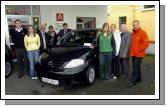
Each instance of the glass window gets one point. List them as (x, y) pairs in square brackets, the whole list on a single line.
[(35, 10), (85, 22), (149, 6), (22, 9), (78, 38), (18, 10)]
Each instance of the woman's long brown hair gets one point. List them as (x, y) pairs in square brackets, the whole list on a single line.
[(28, 34), (104, 25)]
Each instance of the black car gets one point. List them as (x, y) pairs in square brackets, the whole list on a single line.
[(72, 60), (8, 61)]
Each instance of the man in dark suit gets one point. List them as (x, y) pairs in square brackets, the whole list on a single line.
[(43, 38), (64, 30)]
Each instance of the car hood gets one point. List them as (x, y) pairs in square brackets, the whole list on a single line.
[(68, 52)]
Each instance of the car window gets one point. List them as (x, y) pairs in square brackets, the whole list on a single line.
[(86, 36), (69, 39), (89, 36), (78, 38)]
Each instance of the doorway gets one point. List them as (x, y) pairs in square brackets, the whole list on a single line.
[(122, 20)]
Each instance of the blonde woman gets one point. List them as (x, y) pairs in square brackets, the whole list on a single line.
[(32, 45)]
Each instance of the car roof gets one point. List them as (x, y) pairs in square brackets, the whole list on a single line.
[(86, 29)]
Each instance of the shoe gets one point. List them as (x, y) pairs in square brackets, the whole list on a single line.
[(114, 77), (34, 78), (130, 84), (111, 80), (139, 80), (123, 76), (102, 78), (21, 75)]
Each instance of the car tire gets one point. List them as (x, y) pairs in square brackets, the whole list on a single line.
[(90, 76), (8, 67)]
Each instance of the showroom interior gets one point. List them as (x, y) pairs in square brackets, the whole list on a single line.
[(80, 17)]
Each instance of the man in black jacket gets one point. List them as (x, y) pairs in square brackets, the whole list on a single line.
[(17, 36), (64, 30)]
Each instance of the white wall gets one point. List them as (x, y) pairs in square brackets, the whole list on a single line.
[(48, 13), (151, 49)]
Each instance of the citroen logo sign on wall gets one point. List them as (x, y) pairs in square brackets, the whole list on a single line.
[(59, 17)]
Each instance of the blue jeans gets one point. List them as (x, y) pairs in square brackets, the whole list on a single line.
[(105, 61), (33, 57)]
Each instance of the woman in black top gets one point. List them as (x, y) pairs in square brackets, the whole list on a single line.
[(51, 37)]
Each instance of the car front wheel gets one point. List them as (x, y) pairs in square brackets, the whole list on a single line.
[(90, 76), (8, 68)]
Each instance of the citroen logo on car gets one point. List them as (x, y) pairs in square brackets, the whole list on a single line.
[(50, 64)]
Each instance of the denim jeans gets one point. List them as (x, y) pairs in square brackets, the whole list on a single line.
[(33, 57), (136, 74), (105, 61)]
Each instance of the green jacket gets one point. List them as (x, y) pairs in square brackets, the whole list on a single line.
[(106, 44)]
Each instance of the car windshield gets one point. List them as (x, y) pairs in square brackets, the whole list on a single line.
[(78, 38)]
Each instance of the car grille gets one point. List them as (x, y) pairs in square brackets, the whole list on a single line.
[(56, 65)]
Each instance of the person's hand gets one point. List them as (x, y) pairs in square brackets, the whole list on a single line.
[(54, 33), (92, 47), (124, 56)]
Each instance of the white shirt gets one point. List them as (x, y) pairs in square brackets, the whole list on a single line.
[(19, 30), (44, 40), (117, 38)]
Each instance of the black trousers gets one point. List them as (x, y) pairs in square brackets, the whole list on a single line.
[(115, 66), (136, 74), (124, 63), (22, 60)]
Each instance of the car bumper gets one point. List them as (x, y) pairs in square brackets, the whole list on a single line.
[(66, 75)]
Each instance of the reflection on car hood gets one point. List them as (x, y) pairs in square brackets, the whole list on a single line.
[(68, 52)]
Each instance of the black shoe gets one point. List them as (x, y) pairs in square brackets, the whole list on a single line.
[(122, 76), (130, 84), (139, 80), (21, 75)]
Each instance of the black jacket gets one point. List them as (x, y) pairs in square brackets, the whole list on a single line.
[(49, 42), (41, 41), (61, 32)]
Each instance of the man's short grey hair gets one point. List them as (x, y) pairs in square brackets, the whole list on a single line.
[(42, 25), (123, 24)]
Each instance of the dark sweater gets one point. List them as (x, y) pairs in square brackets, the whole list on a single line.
[(18, 37)]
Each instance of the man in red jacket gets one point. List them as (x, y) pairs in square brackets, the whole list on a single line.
[(139, 43)]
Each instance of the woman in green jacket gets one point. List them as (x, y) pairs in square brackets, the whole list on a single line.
[(106, 46)]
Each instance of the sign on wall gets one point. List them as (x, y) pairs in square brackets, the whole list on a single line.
[(58, 26), (59, 17)]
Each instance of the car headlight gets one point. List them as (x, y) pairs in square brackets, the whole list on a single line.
[(74, 63)]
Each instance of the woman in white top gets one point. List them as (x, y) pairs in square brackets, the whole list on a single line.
[(115, 58)]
